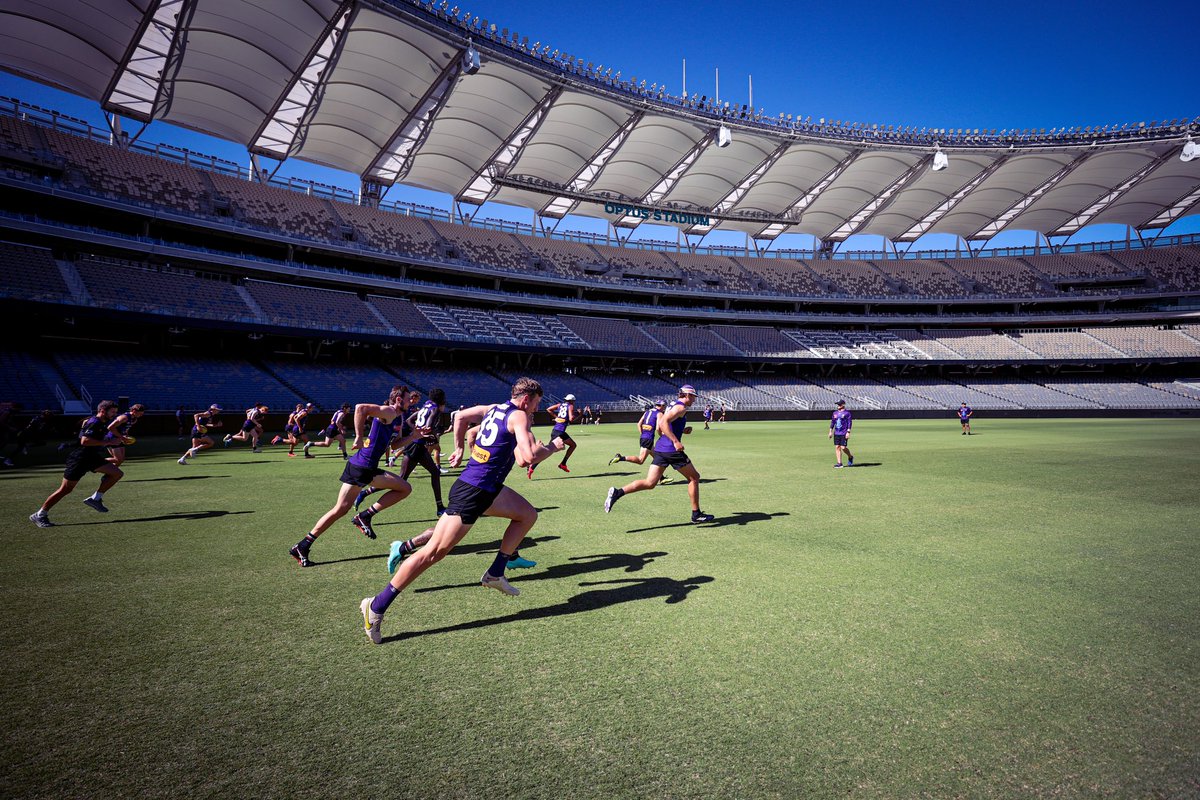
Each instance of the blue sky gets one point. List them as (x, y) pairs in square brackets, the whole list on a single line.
[(976, 65)]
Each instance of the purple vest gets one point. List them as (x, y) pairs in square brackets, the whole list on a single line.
[(494, 452)]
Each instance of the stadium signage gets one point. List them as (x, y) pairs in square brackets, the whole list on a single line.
[(655, 214)]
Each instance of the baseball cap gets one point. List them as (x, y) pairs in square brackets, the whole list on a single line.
[(660, 402), (688, 389), (215, 407), (569, 397), (841, 402)]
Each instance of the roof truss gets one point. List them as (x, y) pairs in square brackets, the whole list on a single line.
[(930, 219), (282, 132), (793, 214), (735, 196), (868, 212), (1084, 217), (482, 187), (141, 87), (560, 206), (664, 186), (395, 160), (998, 224)]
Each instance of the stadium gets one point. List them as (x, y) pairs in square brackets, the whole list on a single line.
[(1007, 615)]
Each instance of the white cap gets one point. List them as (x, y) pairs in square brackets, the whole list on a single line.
[(569, 398)]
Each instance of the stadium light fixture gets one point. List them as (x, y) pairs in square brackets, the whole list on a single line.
[(940, 159), (1190, 151), (470, 59), (724, 136)]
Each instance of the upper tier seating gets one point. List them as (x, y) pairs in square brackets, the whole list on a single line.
[(564, 258), (162, 382), (329, 384), (1002, 276), (611, 334), (856, 278), (690, 339), (30, 273), (1064, 344), (494, 249), (277, 209), (140, 287), (721, 272), (759, 341), (1172, 268), (1077, 265), (305, 307), (783, 275), (404, 316), (1146, 341), (922, 277), (640, 265), (463, 387), (393, 233)]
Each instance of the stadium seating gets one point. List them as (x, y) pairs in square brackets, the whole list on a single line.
[(922, 277), (30, 273), (557, 385), (494, 249), (304, 307), (865, 393), (784, 276), (396, 234), (624, 384), (404, 316), (1147, 341), (28, 379), (926, 344), (1119, 394), (1170, 268), (856, 278), (330, 384), (1063, 344), (564, 258), (982, 344), (1078, 265), (947, 394), (1000, 276), (162, 382), (793, 392), (276, 209), (611, 334), (463, 387), (759, 341), (1026, 394), (128, 286), (446, 323), (715, 272), (690, 339)]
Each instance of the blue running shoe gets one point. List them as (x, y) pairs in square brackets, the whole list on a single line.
[(520, 562), (851, 464), (395, 556), (363, 495)]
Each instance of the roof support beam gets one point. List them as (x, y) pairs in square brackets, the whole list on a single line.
[(560, 206), (395, 159), (868, 212), (143, 84), (794, 213), (998, 224), (1085, 216), (735, 196), (1176, 211), (664, 186), (930, 219), (481, 187), (283, 130)]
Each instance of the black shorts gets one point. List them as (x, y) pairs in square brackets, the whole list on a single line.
[(248, 426), (360, 476), (566, 437), (469, 501), (83, 460), (418, 454), (678, 459), (839, 440), (646, 443), (331, 432)]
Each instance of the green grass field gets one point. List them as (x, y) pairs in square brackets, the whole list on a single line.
[(1010, 614)]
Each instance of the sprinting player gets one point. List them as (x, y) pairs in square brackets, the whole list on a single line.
[(504, 438), (839, 431), (299, 418), (707, 415), (416, 452), (647, 426), (668, 452), (965, 412), (599, 414), (289, 428), (35, 433), (723, 410), (200, 438), (252, 428), (441, 423), (334, 431), (401, 427), (120, 431), (362, 469), (90, 455), (564, 415)]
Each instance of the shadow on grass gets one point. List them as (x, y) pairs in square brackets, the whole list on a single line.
[(859, 464), (740, 518), (313, 563), (627, 590), (596, 563), (492, 547), (556, 475), (183, 515), (433, 520), (180, 478)]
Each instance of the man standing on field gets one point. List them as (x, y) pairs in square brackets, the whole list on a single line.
[(839, 431)]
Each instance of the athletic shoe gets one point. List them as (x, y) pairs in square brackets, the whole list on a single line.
[(362, 495), (611, 499), (277, 440), (371, 620), (363, 525), (256, 450), (666, 479), (851, 464), (500, 584), (182, 461), (291, 455), (521, 563), (92, 502), (308, 454), (837, 466), (396, 554), (529, 472), (301, 556), (563, 467), (41, 520), (443, 470), (228, 439), (614, 459), (700, 516)]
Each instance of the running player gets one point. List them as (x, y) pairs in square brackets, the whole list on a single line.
[(564, 415), (708, 415), (289, 428), (299, 420), (646, 426), (417, 452), (965, 412), (362, 469), (200, 438), (839, 431), (90, 455), (252, 428), (668, 452), (119, 431), (334, 431), (504, 438)]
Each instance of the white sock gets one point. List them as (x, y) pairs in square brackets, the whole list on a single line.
[(99, 495), (190, 453), (41, 512)]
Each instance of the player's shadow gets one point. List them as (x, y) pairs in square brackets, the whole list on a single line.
[(256, 461), (433, 520), (681, 481), (492, 547), (371, 557), (586, 564), (627, 590), (859, 464), (183, 515), (741, 518), (177, 478), (556, 470)]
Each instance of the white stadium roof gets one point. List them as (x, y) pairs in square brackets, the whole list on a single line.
[(381, 88)]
